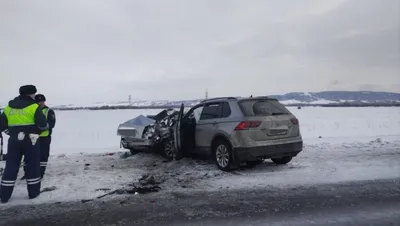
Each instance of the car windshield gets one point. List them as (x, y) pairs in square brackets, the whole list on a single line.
[(262, 108)]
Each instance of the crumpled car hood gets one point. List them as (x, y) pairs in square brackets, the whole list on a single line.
[(149, 129)]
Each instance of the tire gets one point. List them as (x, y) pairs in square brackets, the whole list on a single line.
[(252, 164), (282, 161), (223, 156), (167, 149), (123, 144)]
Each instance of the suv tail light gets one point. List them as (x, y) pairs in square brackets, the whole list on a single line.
[(247, 125), (295, 121)]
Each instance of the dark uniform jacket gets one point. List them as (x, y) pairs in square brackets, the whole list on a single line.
[(21, 102), (51, 119)]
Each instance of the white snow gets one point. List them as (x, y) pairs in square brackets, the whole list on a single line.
[(290, 102), (322, 101), (341, 144), (323, 163), (315, 102), (75, 181)]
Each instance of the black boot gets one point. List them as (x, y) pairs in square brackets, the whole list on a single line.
[(33, 196), (4, 201)]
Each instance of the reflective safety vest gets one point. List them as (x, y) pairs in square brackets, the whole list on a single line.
[(45, 133), (21, 117)]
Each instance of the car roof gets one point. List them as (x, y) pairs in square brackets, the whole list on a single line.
[(258, 98), (216, 99)]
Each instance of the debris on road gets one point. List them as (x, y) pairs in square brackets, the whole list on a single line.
[(103, 189), (61, 156), (125, 155), (86, 166), (378, 140), (146, 184), (52, 188)]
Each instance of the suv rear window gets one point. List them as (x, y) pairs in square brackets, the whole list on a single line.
[(262, 108)]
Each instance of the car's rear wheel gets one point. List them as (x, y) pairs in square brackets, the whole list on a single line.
[(282, 161), (224, 157)]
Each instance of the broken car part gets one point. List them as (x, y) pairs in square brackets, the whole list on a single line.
[(151, 133)]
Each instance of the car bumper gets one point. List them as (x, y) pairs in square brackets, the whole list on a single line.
[(267, 152), (131, 143)]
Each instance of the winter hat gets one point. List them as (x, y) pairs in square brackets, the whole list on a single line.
[(40, 97), (27, 90)]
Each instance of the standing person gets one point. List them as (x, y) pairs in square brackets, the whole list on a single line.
[(1, 139), (25, 121), (45, 136), (2, 156)]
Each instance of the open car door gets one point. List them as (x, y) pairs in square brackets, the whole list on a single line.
[(177, 135)]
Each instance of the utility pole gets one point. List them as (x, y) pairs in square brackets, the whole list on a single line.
[(206, 97), (130, 99)]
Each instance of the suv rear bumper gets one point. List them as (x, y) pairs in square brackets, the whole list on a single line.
[(267, 152)]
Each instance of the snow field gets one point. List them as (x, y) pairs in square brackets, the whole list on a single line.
[(94, 131), (341, 144)]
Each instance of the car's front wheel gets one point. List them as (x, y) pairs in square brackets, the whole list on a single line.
[(224, 157), (282, 161), (167, 149)]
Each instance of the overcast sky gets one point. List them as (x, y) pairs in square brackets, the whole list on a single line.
[(80, 51)]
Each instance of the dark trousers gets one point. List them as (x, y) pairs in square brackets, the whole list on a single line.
[(44, 154), (31, 152)]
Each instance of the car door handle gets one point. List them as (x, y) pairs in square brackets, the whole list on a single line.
[(215, 123)]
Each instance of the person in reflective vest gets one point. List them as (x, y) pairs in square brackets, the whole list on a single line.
[(25, 121), (2, 155), (45, 136)]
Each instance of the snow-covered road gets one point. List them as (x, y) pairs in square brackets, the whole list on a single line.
[(86, 176), (371, 202)]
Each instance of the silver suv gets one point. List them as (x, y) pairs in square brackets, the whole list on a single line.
[(235, 130)]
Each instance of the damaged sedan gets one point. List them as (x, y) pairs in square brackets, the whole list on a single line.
[(150, 133), (231, 130)]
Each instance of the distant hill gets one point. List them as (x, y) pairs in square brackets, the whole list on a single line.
[(326, 98)]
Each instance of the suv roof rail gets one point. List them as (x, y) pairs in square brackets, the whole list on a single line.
[(218, 98), (259, 98)]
